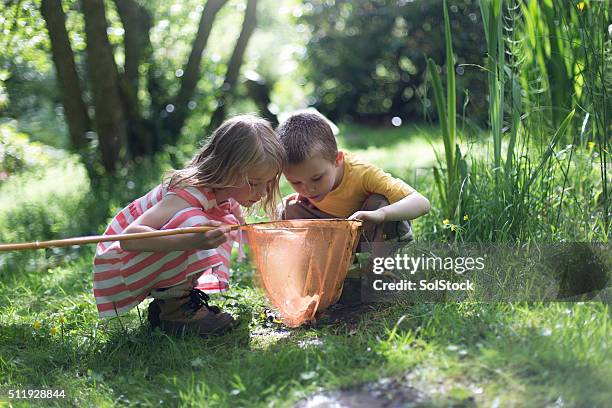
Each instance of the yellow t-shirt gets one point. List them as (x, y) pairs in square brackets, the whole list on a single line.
[(360, 180)]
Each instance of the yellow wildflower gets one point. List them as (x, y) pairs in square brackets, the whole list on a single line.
[(581, 5), (54, 330), (37, 325), (465, 217), (62, 319), (453, 227), (446, 221), (591, 145)]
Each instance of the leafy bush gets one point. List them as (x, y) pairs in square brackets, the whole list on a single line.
[(367, 59), (17, 153)]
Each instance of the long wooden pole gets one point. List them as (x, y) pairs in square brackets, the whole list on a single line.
[(107, 238)]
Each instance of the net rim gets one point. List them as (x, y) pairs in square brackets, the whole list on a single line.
[(302, 223)]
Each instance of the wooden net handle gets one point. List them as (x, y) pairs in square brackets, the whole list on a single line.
[(107, 238)]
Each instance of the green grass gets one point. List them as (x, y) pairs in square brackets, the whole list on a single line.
[(454, 354), (529, 355)]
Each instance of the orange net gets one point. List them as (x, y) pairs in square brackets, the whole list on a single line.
[(302, 264)]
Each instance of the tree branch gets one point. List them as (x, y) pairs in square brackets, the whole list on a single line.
[(234, 64), (75, 110), (103, 75), (136, 21), (175, 120)]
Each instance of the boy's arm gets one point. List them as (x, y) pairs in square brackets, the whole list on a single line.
[(408, 208), (406, 202)]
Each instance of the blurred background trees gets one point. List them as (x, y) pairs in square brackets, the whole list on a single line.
[(126, 84), (121, 78), (117, 81), (366, 59), (118, 122)]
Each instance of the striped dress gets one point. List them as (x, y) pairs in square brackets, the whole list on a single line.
[(123, 279)]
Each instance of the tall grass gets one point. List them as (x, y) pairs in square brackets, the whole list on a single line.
[(492, 18), (595, 73), (548, 77), (449, 180), (565, 53)]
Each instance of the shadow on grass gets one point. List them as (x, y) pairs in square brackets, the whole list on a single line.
[(237, 368), (496, 347), (140, 365)]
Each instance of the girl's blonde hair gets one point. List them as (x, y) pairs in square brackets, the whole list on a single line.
[(235, 148)]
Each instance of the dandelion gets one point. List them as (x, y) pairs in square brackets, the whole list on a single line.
[(37, 325), (581, 5), (591, 145), (465, 217), (453, 227), (446, 221), (54, 330), (62, 319)]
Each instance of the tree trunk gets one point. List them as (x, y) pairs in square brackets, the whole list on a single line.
[(75, 110), (259, 91), (103, 76), (234, 64), (136, 21), (176, 119)]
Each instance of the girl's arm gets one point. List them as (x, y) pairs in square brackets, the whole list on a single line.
[(156, 217), (408, 208)]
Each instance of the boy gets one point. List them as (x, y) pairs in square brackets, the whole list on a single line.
[(334, 184)]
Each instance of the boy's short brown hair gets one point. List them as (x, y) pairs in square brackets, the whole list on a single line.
[(304, 134)]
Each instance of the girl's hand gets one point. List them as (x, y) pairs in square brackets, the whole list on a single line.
[(210, 239), (376, 217), (157, 216)]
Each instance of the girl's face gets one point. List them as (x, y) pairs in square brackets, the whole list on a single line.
[(250, 191)]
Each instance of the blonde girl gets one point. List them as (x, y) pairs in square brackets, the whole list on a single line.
[(239, 165)]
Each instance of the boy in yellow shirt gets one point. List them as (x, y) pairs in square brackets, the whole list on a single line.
[(334, 184)]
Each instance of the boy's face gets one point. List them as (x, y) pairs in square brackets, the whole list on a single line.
[(316, 176)]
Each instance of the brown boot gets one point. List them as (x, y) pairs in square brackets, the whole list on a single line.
[(189, 313)]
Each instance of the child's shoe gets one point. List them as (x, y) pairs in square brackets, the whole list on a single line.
[(190, 313)]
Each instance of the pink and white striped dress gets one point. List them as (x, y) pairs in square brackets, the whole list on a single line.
[(123, 279)]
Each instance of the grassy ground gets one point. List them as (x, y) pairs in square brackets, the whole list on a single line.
[(444, 354)]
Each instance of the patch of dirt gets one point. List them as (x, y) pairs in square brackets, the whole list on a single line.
[(421, 387), (345, 315)]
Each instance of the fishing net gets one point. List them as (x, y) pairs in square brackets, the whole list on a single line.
[(301, 264)]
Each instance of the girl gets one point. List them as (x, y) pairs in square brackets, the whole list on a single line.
[(239, 165)]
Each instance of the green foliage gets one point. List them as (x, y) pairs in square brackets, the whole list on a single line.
[(26, 77), (455, 173), (23, 41), (3, 95), (540, 172), (18, 154), (454, 352), (371, 72), (536, 193), (491, 11)]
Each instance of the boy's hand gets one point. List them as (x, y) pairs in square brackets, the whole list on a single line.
[(377, 217)]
